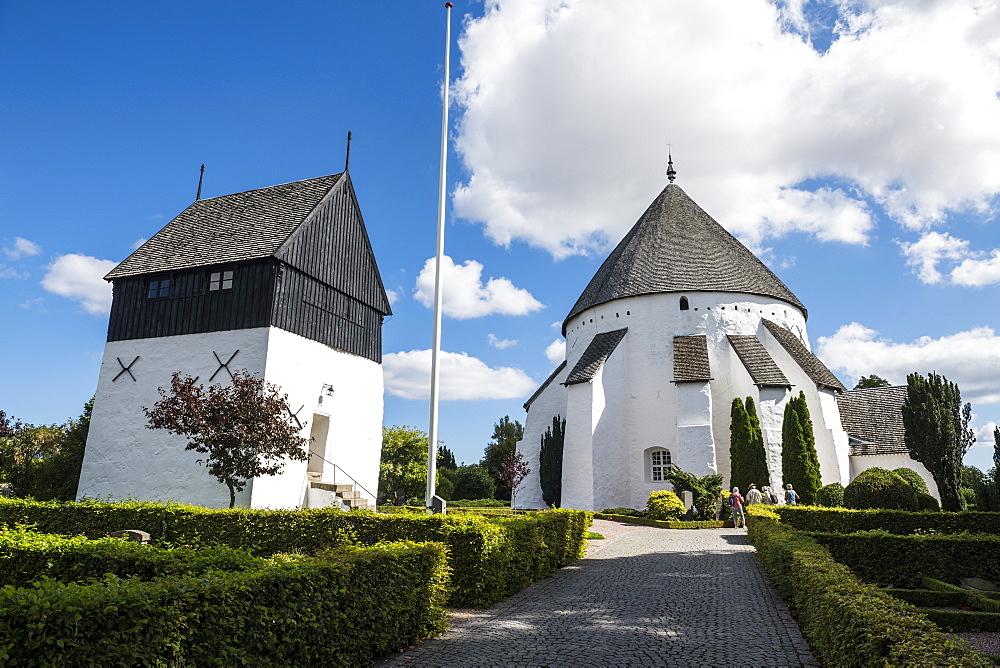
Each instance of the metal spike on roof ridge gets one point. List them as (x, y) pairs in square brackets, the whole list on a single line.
[(671, 172)]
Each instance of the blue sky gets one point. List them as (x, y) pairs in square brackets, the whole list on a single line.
[(861, 165)]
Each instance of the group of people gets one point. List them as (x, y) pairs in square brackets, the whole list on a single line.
[(763, 495)]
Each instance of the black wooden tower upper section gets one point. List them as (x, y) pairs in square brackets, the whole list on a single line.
[(295, 256)]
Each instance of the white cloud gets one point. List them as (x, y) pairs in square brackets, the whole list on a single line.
[(81, 278), (984, 435), (556, 351), (36, 304), (466, 296), (969, 267), (138, 242), (502, 344), (10, 272), (22, 248), (568, 106), (408, 375), (971, 359), (393, 295)]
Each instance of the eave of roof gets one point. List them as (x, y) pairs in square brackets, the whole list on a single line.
[(812, 365), (691, 363), (675, 246), (595, 356), (758, 362)]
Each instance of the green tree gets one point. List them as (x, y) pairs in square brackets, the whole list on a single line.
[(445, 458), (60, 475), (506, 434), (474, 482), (243, 429), (746, 447), (936, 434), (707, 490), (996, 447), (799, 461), (403, 469), (550, 462), (866, 382)]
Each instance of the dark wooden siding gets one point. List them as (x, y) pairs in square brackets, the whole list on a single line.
[(191, 308), (333, 246), (310, 308)]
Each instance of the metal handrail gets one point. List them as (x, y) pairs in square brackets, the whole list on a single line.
[(353, 479)]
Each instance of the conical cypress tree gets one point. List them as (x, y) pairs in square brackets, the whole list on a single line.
[(799, 462), (738, 446), (550, 462), (759, 474)]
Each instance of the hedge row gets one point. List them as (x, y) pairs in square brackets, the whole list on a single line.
[(664, 524), (849, 623), (28, 556), (492, 557), (902, 561), (342, 609), (903, 522)]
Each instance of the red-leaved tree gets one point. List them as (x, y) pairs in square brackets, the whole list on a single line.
[(511, 470), (245, 429)]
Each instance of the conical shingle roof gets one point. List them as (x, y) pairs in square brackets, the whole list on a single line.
[(676, 247)]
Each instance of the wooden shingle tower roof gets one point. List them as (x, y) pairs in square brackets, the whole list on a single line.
[(676, 247)]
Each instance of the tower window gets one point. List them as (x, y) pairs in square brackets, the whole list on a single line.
[(658, 464), (220, 280), (158, 288), (684, 304)]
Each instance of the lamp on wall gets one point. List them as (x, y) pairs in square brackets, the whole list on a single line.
[(326, 390)]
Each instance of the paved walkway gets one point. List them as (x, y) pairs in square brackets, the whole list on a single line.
[(642, 597)]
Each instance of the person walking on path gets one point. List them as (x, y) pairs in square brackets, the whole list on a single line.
[(791, 498), (754, 495), (736, 502), (769, 497)]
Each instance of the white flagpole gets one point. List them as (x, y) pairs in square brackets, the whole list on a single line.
[(432, 432)]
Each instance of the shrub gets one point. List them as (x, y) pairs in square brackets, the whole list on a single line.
[(903, 522), (847, 622), (291, 611), (831, 496), (880, 488), (474, 482), (630, 512), (913, 478), (662, 524), (927, 502), (664, 505)]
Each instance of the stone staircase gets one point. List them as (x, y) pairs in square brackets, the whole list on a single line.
[(345, 494)]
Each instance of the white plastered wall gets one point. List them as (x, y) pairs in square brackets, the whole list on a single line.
[(123, 459), (550, 403)]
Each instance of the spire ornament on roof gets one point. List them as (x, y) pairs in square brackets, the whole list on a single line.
[(671, 172)]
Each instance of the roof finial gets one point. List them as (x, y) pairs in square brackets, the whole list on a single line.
[(347, 160), (671, 172), (201, 176)]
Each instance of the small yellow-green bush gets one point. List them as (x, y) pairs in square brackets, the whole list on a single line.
[(664, 505)]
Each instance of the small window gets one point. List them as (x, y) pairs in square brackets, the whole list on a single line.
[(684, 304), (220, 280), (659, 464), (158, 288)]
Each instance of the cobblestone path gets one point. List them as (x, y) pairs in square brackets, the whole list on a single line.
[(643, 597)]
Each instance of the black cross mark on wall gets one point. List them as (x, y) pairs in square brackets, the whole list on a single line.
[(295, 415), (222, 365), (125, 369)]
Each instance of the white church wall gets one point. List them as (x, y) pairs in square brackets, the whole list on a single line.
[(838, 455), (613, 409), (582, 413), (771, 413), (302, 367), (123, 459), (861, 463), (550, 403)]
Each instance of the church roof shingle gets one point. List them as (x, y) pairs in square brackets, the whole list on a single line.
[(676, 247), (231, 228), (691, 363), (757, 361), (873, 418), (595, 356), (812, 365)]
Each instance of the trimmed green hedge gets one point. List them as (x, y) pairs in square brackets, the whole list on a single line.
[(27, 556), (903, 522), (847, 622), (665, 524), (962, 621), (926, 598), (492, 557), (340, 610), (903, 561)]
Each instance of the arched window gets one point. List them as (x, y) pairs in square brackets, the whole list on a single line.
[(657, 464), (684, 303)]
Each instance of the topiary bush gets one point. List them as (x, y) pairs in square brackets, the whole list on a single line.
[(664, 505), (927, 502), (831, 496), (880, 488), (912, 477), (630, 512)]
